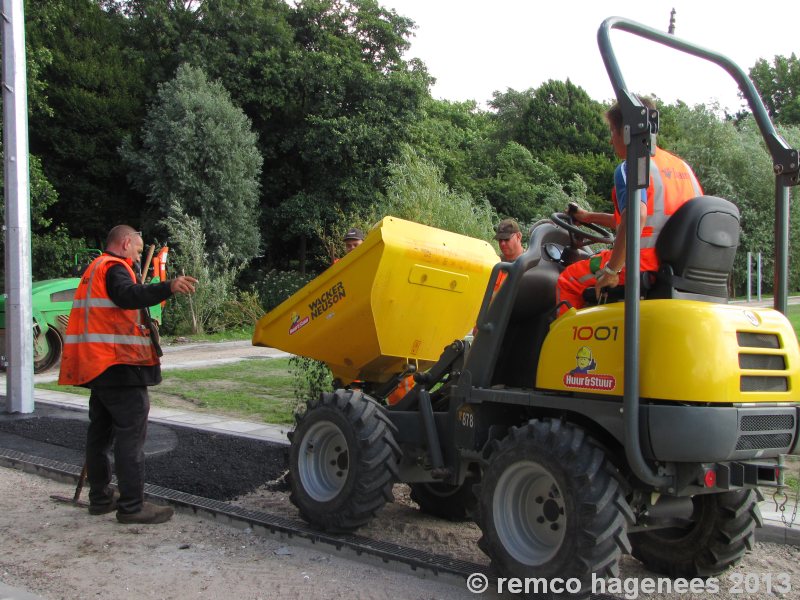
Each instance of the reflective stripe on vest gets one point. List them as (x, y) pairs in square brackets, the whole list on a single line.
[(672, 183), (100, 333)]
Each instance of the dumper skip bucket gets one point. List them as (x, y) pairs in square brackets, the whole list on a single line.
[(400, 297)]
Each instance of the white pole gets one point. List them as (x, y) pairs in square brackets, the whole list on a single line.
[(19, 312)]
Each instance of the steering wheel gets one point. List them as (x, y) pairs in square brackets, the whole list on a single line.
[(579, 233)]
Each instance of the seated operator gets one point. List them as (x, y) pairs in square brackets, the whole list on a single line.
[(672, 183)]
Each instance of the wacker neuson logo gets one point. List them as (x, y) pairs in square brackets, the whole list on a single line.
[(326, 300)]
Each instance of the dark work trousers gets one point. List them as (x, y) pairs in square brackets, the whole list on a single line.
[(117, 415)]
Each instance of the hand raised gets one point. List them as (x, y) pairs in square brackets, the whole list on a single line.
[(184, 284)]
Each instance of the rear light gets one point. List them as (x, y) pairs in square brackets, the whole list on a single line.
[(710, 478)]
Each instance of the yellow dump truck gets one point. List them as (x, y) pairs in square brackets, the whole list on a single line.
[(646, 427), (369, 317)]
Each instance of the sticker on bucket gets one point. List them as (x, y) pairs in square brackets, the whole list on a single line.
[(297, 323)]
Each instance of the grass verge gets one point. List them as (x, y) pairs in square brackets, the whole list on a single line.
[(793, 313), (259, 390)]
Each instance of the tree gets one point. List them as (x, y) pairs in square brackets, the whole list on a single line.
[(527, 189), (457, 138), (198, 157), (337, 106), (563, 128), (94, 95), (415, 192), (52, 248), (731, 162), (779, 86)]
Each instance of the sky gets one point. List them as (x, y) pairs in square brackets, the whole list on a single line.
[(476, 47)]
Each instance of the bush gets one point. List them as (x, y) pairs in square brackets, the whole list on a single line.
[(276, 286), (311, 378), (203, 311), (241, 312)]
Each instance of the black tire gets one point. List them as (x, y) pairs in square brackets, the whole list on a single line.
[(722, 531), (451, 502), (551, 507), (50, 357), (343, 461)]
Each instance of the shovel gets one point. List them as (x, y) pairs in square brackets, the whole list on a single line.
[(75, 500)]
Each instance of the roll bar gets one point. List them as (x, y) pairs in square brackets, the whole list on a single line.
[(640, 129)]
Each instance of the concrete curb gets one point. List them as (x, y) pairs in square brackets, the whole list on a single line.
[(778, 534)]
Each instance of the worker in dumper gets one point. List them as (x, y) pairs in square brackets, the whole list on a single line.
[(353, 239), (509, 238), (672, 183)]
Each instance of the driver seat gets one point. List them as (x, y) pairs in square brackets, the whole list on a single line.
[(696, 249)]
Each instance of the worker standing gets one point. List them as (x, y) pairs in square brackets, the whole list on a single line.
[(108, 348)]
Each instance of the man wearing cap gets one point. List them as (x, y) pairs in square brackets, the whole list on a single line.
[(509, 238), (352, 239)]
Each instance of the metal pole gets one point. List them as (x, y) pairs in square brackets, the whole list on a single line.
[(19, 311), (781, 286), (749, 275), (758, 276)]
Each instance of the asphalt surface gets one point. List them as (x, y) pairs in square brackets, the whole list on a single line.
[(201, 463)]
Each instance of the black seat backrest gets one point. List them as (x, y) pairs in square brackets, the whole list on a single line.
[(696, 249)]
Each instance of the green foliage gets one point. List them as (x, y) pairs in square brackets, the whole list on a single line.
[(276, 286), (779, 86), (204, 310), (527, 189), (199, 158), (94, 96), (415, 191), (311, 378), (52, 248), (793, 313), (456, 137), (241, 312), (731, 162), (562, 127), (332, 236)]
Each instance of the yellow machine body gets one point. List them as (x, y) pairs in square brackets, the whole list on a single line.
[(689, 351), (400, 297)]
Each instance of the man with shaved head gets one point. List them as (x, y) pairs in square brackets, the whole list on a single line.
[(109, 348)]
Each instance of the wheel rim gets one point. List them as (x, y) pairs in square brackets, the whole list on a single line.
[(323, 462), (529, 513)]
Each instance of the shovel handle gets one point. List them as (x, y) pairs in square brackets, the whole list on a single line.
[(81, 481), (147, 261)]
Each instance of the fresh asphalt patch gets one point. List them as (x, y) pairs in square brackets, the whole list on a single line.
[(211, 465)]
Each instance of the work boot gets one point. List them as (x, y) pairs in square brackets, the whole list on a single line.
[(149, 515), (103, 509)]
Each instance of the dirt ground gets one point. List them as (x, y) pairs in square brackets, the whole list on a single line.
[(61, 552)]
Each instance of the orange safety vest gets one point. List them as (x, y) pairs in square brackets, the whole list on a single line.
[(160, 267), (100, 333), (672, 183)]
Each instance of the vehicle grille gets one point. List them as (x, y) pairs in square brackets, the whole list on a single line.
[(747, 339), (762, 442), (761, 355), (766, 422), (769, 429)]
